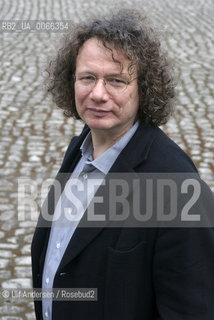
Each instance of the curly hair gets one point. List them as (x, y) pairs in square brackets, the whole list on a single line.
[(128, 31)]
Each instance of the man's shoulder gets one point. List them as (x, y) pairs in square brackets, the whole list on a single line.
[(76, 141), (73, 149), (165, 155)]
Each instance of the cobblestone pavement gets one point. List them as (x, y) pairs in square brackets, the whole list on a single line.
[(34, 134)]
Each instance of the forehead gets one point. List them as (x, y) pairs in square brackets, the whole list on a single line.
[(94, 55)]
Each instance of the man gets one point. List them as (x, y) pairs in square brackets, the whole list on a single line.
[(112, 74)]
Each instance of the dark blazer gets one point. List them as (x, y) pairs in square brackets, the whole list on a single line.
[(140, 273)]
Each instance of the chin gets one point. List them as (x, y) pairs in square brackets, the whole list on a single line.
[(100, 124)]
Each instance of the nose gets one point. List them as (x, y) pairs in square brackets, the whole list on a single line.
[(99, 92)]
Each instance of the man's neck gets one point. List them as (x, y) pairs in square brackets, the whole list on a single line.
[(103, 140)]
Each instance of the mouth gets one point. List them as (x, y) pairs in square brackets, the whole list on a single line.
[(98, 112)]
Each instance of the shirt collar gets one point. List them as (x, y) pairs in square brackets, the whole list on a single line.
[(87, 147)]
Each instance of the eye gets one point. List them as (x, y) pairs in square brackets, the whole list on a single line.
[(86, 78), (116, 82)]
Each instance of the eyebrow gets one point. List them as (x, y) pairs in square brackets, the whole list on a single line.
[(109, 75)]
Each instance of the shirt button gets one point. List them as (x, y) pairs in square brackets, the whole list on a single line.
[(58, 245), (70, 210), (46, 314), (85, 176), (47, 280)]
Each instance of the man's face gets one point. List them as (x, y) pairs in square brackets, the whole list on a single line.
[(98, 108)]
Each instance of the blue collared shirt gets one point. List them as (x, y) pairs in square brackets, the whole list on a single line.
[(73, 202)]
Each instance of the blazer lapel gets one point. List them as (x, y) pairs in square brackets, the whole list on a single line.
[(42, 232), (131, 156)]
